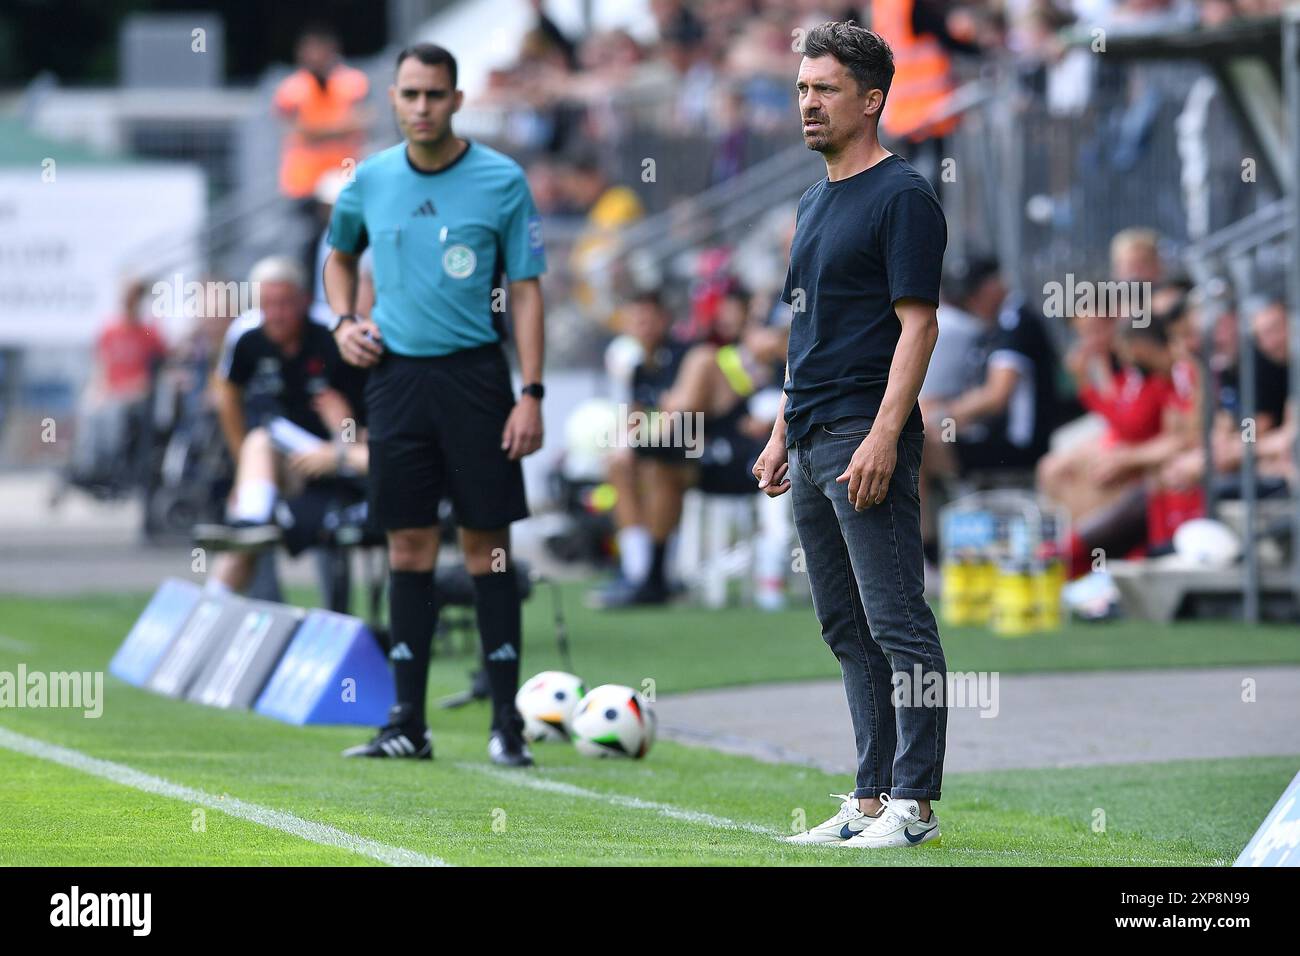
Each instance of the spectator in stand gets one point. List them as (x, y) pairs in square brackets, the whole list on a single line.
[(128, 349), (1005, 417), (1134, 402), (322, 106), (1141, 517), (650, 479), (607, 209), (692, 60), (1273, 428), (291, 412), (114, 412), (923, 41), (1135, 256)]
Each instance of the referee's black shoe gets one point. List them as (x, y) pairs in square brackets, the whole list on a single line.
[(410, 739), (508, 749)]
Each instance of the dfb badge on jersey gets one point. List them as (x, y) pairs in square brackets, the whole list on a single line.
[(459, 261)]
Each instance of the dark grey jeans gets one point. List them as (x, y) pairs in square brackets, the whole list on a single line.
[(868, 582)]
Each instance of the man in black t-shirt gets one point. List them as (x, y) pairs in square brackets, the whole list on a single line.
[(292, 414), (863, 286), (1006, 420)]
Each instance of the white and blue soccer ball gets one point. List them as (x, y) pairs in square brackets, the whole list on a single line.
[(547, 702), (613, 721)]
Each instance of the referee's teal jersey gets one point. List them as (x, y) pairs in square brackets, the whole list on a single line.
[(441, 244)]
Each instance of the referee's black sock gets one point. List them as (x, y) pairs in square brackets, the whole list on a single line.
[(412, 615), (658, 576), (497, 606)]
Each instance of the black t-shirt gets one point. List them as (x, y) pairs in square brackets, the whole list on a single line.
[(1272, 388), (1020, 341), (657, 372), (860, 245), (274, 384)]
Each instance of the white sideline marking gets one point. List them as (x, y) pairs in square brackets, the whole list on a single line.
[(319, 833), (525, 779)]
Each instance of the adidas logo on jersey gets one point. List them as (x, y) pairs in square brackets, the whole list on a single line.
[(425, 208), (506, 652), (400, 652)]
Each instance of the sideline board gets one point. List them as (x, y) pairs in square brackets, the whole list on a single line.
[(167, 611), (214, 615), (1277, 841), (223, 650), (242, 661), (332, 673)]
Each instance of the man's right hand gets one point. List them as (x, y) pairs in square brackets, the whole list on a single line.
[(355, 346), (771, 468)]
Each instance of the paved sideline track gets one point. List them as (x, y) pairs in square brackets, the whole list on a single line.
[(1042, 720)]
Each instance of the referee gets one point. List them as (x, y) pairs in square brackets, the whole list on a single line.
[(445, 219), (863, 285)]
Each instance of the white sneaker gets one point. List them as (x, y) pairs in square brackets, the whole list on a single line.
[(849, 822), (899, 824)]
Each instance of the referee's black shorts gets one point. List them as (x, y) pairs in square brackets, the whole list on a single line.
[(435, 429)]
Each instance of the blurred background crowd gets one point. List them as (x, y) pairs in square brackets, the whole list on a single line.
[(1070, 143)]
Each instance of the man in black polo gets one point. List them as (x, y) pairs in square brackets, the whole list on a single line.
[(863, 286), (449, 221)]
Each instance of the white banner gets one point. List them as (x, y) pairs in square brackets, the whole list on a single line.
[(71, 235)]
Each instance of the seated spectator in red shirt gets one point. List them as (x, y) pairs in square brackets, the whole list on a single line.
[(1133, 400), (127, 350), (108, 447)]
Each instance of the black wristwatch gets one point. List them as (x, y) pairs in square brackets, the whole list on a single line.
[(537, 390), (340, 319)]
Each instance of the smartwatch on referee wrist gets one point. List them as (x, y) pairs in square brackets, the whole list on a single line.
[(536, 390), (340, 319)]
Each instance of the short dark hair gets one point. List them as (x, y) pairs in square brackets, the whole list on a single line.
[(866, 54), (430, 54), (965, 276), (317, 30), (735, 289), (647, 296), (1155, 329)]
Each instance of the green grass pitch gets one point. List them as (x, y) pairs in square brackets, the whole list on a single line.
[(680, 806)]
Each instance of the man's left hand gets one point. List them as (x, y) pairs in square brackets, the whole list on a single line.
[(869, 471), (523, 431)]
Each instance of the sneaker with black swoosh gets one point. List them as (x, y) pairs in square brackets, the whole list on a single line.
[(849, 822), (899, 824)]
